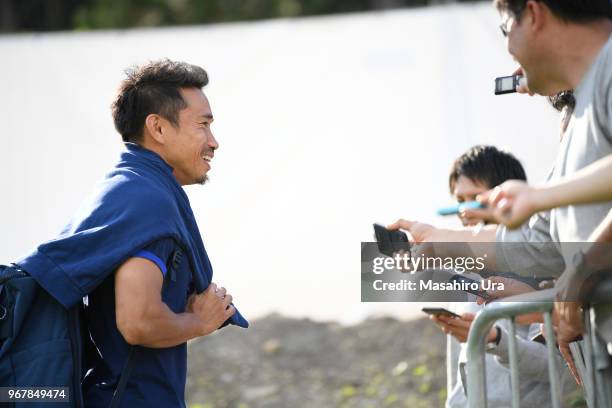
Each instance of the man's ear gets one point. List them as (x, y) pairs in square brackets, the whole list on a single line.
[(154, 125), (537, 15)]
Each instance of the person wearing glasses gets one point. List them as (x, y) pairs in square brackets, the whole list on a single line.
[(559, 45)]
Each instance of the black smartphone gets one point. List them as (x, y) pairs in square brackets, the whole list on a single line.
[(471, 286), (390, 241), (507, 84), (439, 311)]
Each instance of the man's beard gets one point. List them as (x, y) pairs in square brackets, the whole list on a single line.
[(203, 180)]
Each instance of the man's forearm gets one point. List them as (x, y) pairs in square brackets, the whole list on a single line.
[(161, 328), (590, 184), (141, 315), (599, 256), (603, 232), (468, 234), (474, 242)]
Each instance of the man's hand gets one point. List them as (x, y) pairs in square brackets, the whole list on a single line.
[(568, 318), (567, 333), (471, 217), (522, 88), (570, 285), (564, 349), (512, 202), (459, 327), (567, 312), (213, 307), (567, 356), (419, 232)]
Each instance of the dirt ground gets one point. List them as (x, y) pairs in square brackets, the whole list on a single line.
[(285, 363)]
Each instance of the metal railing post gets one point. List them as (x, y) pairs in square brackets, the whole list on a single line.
[(552, 366), (476, 382), (589, 379), (513, 358)]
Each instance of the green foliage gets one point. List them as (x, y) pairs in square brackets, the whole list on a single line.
[(139, 13), (142, 13), (26, 15)]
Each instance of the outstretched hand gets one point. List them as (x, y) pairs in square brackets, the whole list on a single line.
[(473, 216), (418, 231), (421, 235), (512, 202)]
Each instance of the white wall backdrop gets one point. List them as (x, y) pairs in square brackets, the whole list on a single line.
[(325, 126)]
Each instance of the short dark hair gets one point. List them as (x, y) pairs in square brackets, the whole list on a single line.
[(563, 99), (486, 165), (153, 88), (578, 11)]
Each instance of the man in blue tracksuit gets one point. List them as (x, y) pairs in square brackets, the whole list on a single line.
[(134, 248)]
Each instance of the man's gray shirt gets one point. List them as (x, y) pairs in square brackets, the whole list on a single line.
[(587, 139)]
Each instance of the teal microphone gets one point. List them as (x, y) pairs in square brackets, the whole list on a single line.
[(456, 209)]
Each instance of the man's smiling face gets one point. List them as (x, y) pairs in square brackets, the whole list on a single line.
[(529, 41), (191, 144)]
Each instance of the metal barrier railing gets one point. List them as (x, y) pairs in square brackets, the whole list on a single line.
[(476, 382), (598, 345), (591, 357)]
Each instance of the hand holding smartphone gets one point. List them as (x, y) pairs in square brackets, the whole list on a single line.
[(390, 242), (439, 311), (507, 84)]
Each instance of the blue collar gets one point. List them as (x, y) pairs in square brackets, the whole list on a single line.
[(153, 157)]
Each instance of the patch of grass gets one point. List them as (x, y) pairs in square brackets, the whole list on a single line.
[(420, 370), (391, 399), (424, 388), (348, 391)]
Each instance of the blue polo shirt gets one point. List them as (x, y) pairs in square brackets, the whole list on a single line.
[(159, 374)]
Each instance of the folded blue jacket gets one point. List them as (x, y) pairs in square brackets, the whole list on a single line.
[(137, 203)]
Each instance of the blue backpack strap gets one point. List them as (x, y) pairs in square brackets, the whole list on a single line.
[(174, 263)]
